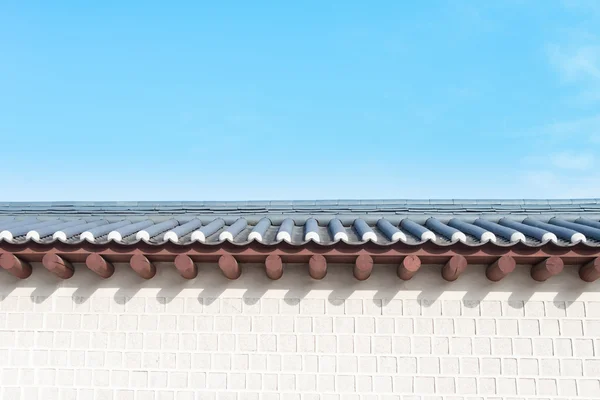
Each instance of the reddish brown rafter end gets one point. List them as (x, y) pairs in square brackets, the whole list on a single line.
[(408, 267), (186, 266), (58, 265), (317, 266), (229, 266), (363, 267), (144, 267), (14, 265), (549, 267), (500, 268), (274, 266), (455, 266), (99, 265), (590, 272)]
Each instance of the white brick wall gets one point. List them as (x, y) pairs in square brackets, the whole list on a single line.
[(296, 338)]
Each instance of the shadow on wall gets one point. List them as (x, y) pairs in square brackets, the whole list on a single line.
[(339, 285)]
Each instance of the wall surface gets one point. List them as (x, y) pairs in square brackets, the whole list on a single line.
[(296, 338)]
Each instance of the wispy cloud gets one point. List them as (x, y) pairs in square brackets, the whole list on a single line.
[(582, 5), (586, 127), (576, 64), (572, 160), (537, 183)]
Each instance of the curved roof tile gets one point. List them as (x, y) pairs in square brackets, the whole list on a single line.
[(325, 222)]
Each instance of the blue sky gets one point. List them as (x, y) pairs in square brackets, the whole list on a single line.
[(144, 100)]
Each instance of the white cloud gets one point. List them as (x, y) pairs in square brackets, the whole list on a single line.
[(572, 160), (540, 183), (587, 127), (576, 64)]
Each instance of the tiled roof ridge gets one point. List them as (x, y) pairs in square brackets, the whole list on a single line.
[(291, 203)]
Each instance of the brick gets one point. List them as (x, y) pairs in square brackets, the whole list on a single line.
[(287, 343), (469, 366), (431, 308), (365, 325), (421, 345), (207, 342), (567, 387), (364, 383), (367, 364), (323, 325), (526, 386), (307, 382), (506, 386), (588, 387), (522, 346), (312, 306), (547, 387), (542, 347), (423, 326), (465, 326), (403, 384), (445, 385), (404, 326), (424, 384), (591, 327), (392, 307), (382, 345), (382, 384), (326, 344), (429, 365), (325, 383), (353, 307), (242, 324), (345, 324), (443, 326), (528, 366), (335, 307), (299, 325), (471, 308), (449, 365), (346, 383), (347, 364), (549, 367), (267, 342), (307, 343), (490, 366), (549, 327), (372, 307), (509, 366), (384, 325), (345, 344), (575, 309), (216, 380), (482, 346), (571, 367), (461, 346), (160, 348), (583, 347), (466, 385), (411, 307), (491, 308), (534, 309), (572, 327), (486, 386), (563, 347), (592, 368), (440, 346), (221, 362)]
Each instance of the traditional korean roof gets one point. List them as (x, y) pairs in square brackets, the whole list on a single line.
[(547, 235), (384, 222)]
